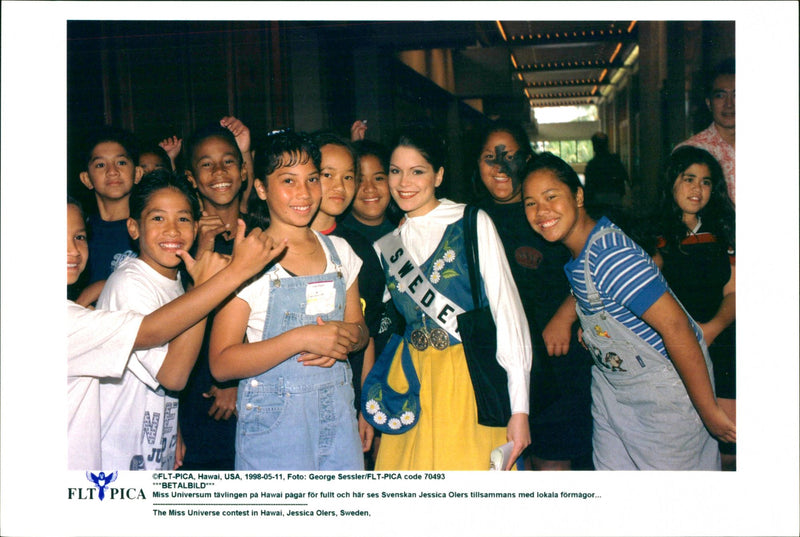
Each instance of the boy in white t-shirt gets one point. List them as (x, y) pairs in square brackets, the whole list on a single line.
[(100, 342)]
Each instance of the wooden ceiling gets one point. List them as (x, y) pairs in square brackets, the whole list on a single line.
[(566, 63), (550, 63)]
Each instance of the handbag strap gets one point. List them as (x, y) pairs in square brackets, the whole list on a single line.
[(471, 250)]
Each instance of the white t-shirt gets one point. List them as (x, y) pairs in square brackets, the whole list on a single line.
[(256, 294), (421, 236), (138, 419), (98, 346)]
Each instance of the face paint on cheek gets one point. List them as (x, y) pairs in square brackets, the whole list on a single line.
[(499, 159), (511, 167)]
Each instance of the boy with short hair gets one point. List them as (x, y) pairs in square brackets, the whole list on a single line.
[(111, 172), (99, 343)]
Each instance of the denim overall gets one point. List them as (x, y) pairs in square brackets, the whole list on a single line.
[(643, 417), (296, 417)]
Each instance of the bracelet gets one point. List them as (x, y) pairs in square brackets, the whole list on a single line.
[(361, 330)]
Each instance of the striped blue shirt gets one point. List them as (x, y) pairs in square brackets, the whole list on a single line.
[(626, 278)]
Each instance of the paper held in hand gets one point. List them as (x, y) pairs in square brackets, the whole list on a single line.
[(499, 456)]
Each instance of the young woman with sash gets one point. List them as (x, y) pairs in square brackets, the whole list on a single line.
[(427, 277)]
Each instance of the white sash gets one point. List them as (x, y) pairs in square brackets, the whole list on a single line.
[(416, 286)]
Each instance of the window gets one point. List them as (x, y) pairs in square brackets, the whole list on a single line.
[(566, 114), (572, 151)]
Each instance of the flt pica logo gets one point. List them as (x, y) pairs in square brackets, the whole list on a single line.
[(102, 491), (101, 481)]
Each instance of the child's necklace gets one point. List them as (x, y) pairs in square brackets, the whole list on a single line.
[(313, 250)]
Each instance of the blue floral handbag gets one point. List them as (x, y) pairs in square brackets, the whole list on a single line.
[(387, 410)]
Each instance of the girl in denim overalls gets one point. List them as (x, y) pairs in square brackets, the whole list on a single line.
[(653, 400), (301, 318)]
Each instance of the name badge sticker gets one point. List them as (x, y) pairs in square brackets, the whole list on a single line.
[(320, 297)]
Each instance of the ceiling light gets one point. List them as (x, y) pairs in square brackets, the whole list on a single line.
[(502, 32), (616, 51), (632, 57)]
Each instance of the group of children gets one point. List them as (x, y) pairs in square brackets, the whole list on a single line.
[(613, 410), (250, 351), (131, 417)]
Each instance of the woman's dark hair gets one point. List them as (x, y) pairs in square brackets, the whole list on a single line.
[(511, 127), (369, 148), (158, 151), (281, 148), (634, 228), (323, 138), (425, 140), (520, 136), (157, 180), (562, 170), (285, 148), (366, 148), (718, 215), (212, 130)]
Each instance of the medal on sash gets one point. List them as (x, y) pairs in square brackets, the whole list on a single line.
[(442, 311), (439, 339), (421, 338)]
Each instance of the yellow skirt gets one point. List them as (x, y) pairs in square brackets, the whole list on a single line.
[(447, 435)]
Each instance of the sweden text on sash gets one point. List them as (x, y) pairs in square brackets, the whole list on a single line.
[(438, 307)]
